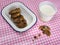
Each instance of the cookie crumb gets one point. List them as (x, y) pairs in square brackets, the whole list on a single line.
[(35, 37), (39, 35), (32, 40)]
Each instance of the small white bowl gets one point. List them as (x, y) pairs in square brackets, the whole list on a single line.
[(28, 15)]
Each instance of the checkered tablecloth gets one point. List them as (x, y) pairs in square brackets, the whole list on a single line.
[(8, 36)]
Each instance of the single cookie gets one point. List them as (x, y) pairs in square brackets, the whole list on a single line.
[(17, 10), (15, 15), (45, 29), (22, 24)]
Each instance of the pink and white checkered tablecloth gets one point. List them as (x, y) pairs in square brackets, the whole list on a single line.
[(10, 37)]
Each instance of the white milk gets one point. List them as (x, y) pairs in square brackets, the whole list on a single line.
[(47, 10)]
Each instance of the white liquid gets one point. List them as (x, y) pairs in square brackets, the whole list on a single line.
[(47, 10)]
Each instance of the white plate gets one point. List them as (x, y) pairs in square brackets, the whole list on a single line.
[(28, 15)]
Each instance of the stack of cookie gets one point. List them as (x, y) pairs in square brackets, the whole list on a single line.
[(17, 18)]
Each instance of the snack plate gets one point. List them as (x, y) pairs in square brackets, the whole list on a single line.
[(28, 15)]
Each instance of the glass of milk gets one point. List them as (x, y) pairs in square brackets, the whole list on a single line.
[(47, 10)]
